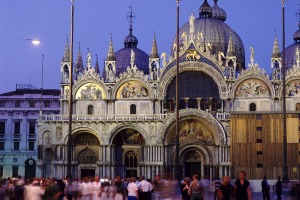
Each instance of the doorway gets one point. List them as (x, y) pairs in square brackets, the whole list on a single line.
[(87, 173), (192, 168)]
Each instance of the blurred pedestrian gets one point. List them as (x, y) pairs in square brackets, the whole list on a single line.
[(132, 189), (184, 188), (226, 189), (196, 189), (265, 188), (217, 187), (242, 188), (145, 189), (278, 188)]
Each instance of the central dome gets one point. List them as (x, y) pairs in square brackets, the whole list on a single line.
[(291, 51), (215, 31)]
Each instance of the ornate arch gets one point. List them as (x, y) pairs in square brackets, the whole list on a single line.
[(253, 72), (193, 66), (203, 150), (119, 128), (100, 83), (82, 128), (291, 87), (126, 80), (220, 136)]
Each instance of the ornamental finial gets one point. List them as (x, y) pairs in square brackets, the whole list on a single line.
[(131, 16)]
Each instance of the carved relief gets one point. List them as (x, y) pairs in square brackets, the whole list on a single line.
[(252, 88), (58, 132)]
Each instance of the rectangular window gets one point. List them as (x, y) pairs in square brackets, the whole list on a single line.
[(17, 104), (31, 146), (258, 140), (16, 146), (17, 129), (2, 104), (15, 171), (259, 165), (259, 128), (1, 171), (258, 117), (47, 104), (2, 145), (2, 127), (32, 104), (259, 153), (31, 128)]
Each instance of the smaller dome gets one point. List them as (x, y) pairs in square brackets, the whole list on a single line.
[(205, 10), (290, 51), (130, 41), (218, 13), (297, 35)]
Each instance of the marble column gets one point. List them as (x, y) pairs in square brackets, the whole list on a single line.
[(199, 103)]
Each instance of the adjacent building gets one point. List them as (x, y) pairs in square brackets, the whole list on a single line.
[(19, 111)]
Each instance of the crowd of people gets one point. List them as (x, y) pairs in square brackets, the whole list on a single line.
[(134, 188)]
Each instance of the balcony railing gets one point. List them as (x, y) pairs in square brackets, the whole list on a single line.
[(223, 116), (31, 136), (137, 117), (17, 136)]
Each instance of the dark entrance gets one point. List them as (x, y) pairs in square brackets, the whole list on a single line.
[(87, 173), (30, 168), (192, 168)]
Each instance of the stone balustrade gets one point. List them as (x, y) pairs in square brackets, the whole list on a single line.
[(137, 117)]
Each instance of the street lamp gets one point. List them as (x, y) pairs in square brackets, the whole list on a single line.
[(177, 166), (35, 41), (69, 145), (284, 165)]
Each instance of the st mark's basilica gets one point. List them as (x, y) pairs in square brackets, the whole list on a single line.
[(124, 118)]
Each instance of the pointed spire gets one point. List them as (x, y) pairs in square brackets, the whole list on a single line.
[(66, 57), (79, 62), (276, 52), (111, 54), (230, 49), (154, 51), (97, 70)]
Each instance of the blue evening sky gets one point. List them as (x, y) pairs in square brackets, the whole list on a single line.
[(49, 21)]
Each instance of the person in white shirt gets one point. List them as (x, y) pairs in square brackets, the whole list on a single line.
[(96, 188), (132, 190), (85, 189), (33, 192), (145, 189)]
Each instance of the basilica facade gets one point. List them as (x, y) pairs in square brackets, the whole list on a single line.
[(124, 119)]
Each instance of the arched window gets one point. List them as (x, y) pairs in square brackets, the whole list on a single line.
[(87, 156), (252, 107), (131, 159), (132, 109), (90, 110)]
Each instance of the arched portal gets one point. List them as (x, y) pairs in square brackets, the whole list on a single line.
[(128, 147), (86, 152), (192, 162)]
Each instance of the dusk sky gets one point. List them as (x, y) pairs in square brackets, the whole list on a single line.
[(49, 21)]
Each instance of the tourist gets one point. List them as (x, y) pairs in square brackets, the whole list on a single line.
[(132, 189), (196, 189), (265, 188), (242, 188), (184, 188), (226, 189), (278, 188), (145, 189), (96, 188), (217, 187)]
